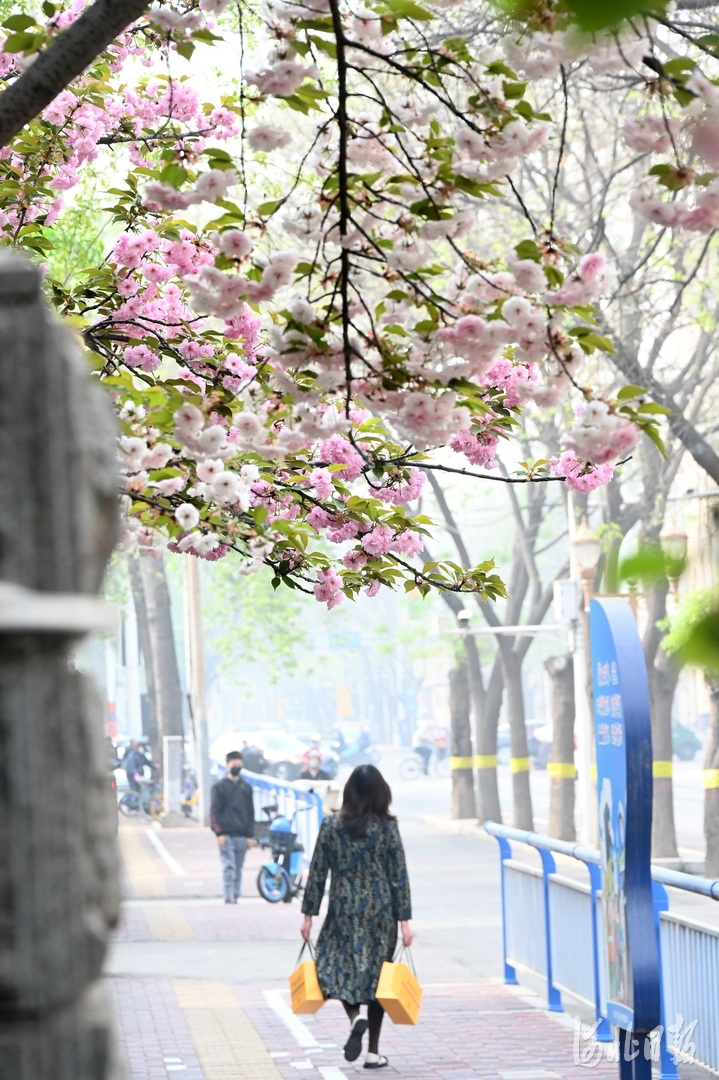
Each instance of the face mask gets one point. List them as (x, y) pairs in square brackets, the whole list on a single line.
[(235, 770)]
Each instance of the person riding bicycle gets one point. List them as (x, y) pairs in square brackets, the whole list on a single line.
[(422, 744), (133, 763)]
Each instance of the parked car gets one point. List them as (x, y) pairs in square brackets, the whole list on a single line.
[(503, 749), (685, 742), (282, 751)]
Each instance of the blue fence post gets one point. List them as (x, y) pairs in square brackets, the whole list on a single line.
[(505, 852), (667, 1068), (554, 998), (604, 1031)]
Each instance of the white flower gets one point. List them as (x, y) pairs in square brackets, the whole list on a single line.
[(206, 544), (235, 244), (225, 488), (187, 516), (189, 420), (208, 470), (212, 439), (266, 137)]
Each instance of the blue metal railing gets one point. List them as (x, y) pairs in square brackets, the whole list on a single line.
[(301, 805), (518, 929)]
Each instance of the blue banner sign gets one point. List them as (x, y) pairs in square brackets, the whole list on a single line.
[(623, 735)]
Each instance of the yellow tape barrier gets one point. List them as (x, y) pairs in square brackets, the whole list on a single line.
[(711, 778), (519, 764), (662, 770), (486, 761), (561, 770), (593, 773), (460, 762)]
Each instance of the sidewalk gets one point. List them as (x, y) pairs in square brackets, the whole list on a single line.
[(228, 1016)]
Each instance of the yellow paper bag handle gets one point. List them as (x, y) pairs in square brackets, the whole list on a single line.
[(306, 945)]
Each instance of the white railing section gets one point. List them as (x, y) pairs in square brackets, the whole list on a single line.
[(550, 927)]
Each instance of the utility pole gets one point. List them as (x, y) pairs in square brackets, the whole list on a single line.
[(198, 704)]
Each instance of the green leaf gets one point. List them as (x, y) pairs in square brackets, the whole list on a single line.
[(630, 392), (174, 174), (186, 49), (267, 208), (407, 9), (21, 22), (653, 407), (514, 89), (20, 42), (528, 249)]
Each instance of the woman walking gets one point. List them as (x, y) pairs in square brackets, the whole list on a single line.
[(369, 895)]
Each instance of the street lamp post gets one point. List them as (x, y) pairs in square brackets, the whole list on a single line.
[(584, 552)]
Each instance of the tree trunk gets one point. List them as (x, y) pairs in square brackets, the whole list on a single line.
[(711, 782), (143, 635), (662, 676), (519, 761), (662, 684), (562, 773), (58, 863), (485, 726), (462, 771), (158, 646)]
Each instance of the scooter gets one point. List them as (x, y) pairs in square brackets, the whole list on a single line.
[(280, 879)]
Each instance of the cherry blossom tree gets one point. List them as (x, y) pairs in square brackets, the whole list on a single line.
[(297, 308)]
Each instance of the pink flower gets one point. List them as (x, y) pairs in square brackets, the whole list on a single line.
[(478, 449), (379, 541), (373, 589), (403, 493), (348, 531), (328, 588), (354, 559), (235, 244), (318, 518), (338, 451), (408, 542), (321, 480), (579, 474), (706, 141), (266, 137), (142, 357)]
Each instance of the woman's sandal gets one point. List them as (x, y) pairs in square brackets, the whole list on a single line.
[(375, 1061), (353, 1046)]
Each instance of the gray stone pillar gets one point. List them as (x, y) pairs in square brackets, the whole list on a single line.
[(58, 865)]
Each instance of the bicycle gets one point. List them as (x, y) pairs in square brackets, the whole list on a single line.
[(190, 799), (413, 767), (147, 802)]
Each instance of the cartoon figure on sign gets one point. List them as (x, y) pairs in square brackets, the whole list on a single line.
[(611, 837)]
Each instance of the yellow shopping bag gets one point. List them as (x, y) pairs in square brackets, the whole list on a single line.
[(398, 991), (307, 996)]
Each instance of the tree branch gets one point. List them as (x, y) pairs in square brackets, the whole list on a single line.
[(63, 60)]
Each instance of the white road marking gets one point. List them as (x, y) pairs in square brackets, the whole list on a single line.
[(332, 1073), (293, 1023), (164, 853)]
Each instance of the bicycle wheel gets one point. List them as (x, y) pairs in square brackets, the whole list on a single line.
[(146, 798), (410, 769), (157, 805), (272, 887), (129, 804), (442, 767)]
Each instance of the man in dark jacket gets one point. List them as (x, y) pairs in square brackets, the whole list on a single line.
[(233, 822)]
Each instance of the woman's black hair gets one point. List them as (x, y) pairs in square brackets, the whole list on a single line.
[(367, 797)]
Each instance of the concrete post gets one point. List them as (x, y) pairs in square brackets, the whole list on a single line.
[(198, 700), (173, 756), (58, 863)]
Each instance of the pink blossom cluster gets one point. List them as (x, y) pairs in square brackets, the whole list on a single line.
[(585, 285), (208, 187), (579, 474), (329, 588), (399, 493), (479, 448), (703, 218), (650, 134), (600, 435)]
